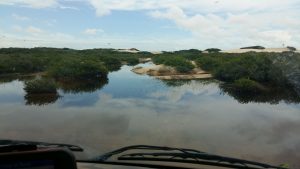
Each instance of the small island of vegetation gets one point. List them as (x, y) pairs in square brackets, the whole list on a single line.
[(41, 86)]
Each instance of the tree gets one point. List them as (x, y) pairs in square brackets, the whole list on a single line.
[(213, 50)]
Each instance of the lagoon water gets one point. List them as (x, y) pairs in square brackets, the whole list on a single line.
[(132, 109)]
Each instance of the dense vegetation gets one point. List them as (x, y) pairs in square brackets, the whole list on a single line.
[(212, 50), (78, 69), (266, 68), (40, 86), (23, 60), (178, 62), (254, 47), (291, 48)]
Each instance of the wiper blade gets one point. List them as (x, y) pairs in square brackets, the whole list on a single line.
[(12, 145), (179, 155), (141, 147)]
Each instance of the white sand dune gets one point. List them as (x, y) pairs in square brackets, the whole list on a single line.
[(168, 73), (276, 50)]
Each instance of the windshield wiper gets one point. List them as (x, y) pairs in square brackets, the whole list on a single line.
[(180, 155), (19, 145)]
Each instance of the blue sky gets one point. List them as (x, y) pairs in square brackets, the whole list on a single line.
[(149, 24)]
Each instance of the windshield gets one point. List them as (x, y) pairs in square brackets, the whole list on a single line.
[(218, 76)]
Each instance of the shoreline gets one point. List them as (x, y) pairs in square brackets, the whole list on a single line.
[(169, 73)]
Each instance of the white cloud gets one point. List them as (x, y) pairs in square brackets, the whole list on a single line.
[(19, 17), (31, 3), (277, 36), (92, 31), (104, 7), (213, 23), (68, 7), (175, 94), (60, 39), (222, 23), (17, 28), (38, 4), (34, 30), (268, 28)]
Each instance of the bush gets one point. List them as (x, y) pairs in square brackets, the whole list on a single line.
[(248, 65), (190, 54), (254, 47), (132, 61), (213, 50), (179, 63), (247, 85), (273, 68), (40, 86), (185, 68), (23, 60), (208, 63), (20, 64), (291, 48), (111, 63), (78, 69)]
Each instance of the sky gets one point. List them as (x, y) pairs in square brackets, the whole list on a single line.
[(151, 25)]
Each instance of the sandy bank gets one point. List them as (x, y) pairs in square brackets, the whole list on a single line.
[(168, 73)]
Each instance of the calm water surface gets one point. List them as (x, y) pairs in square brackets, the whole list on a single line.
[(132, 109)]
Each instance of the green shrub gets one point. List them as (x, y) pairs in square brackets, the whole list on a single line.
[(132, 61), (185, 68), (179, 63), (254, 47), (23, 60), (291, 48), (231, 67), (190, 54), (213, 50), (208, 63), (78, 69), (274, 69), (111, 63), (20, 64), (40, 86)]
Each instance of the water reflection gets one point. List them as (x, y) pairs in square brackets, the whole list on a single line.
[(41, 99), (177, 83), (69, 87), (274, 96), (82, 86)]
